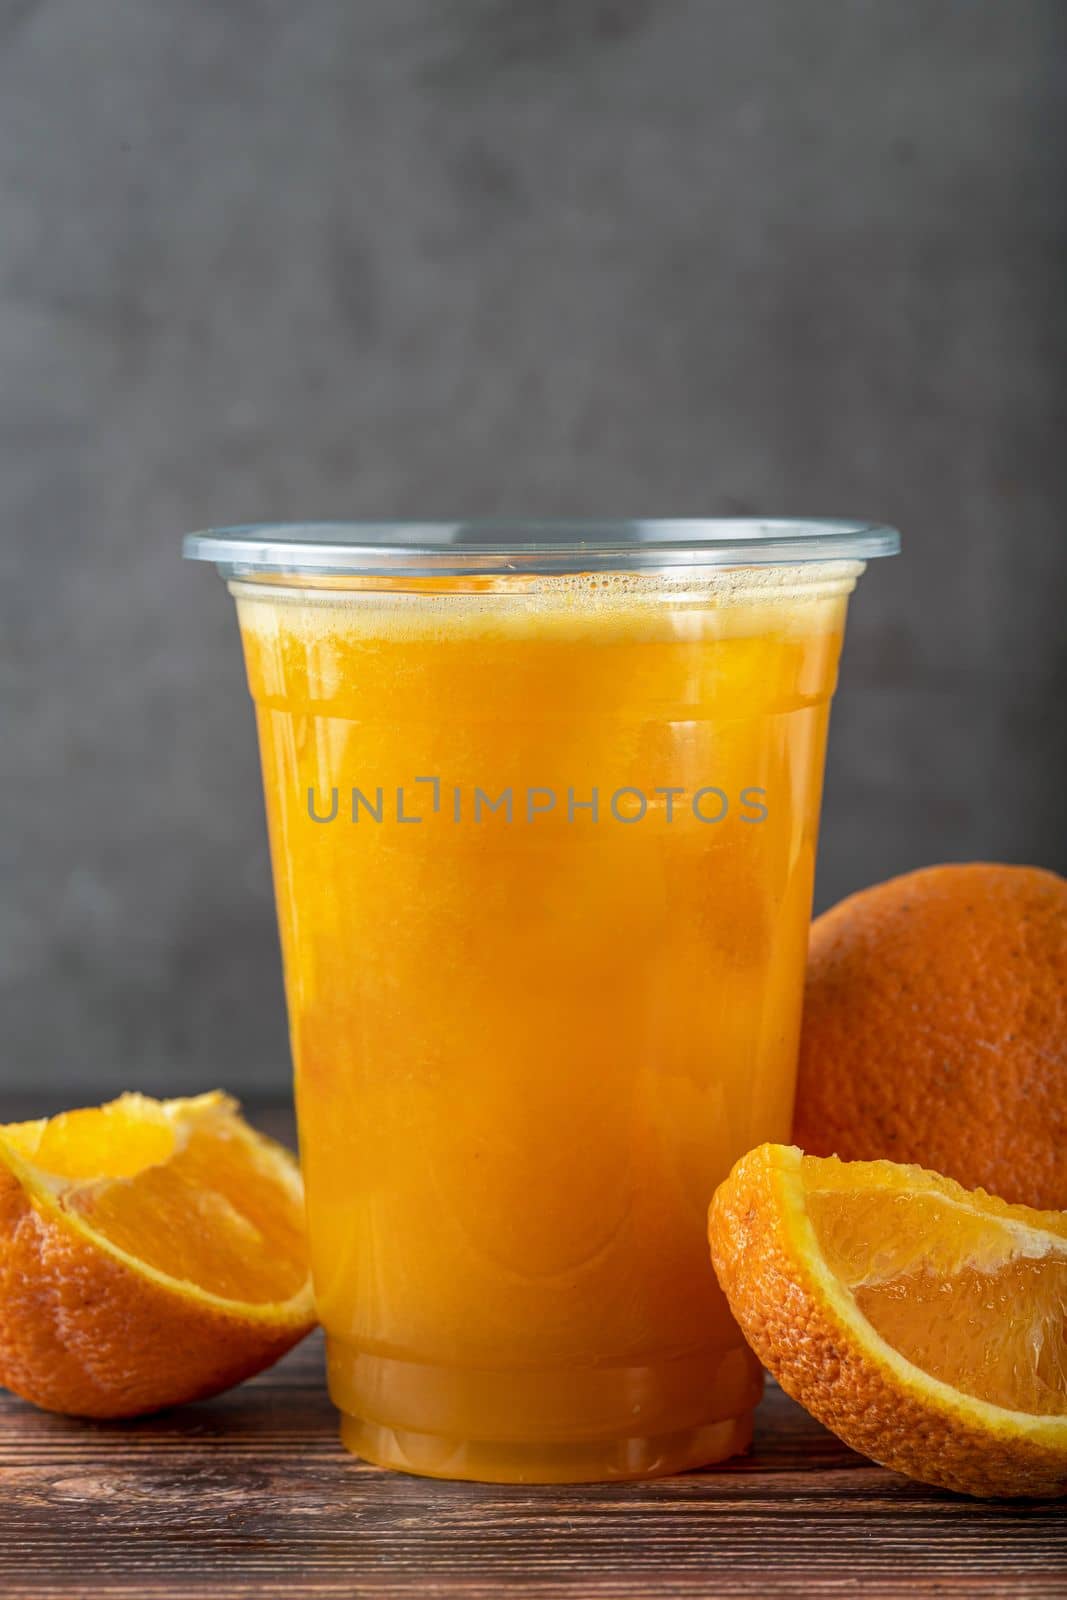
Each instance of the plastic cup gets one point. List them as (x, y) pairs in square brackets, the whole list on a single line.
[(543, 804)]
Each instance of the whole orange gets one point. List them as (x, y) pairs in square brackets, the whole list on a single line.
[(935, 1029)]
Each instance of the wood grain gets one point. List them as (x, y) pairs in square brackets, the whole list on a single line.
[(251, 1494)]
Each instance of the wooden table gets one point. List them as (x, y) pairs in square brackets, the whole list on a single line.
[(251, 1494)]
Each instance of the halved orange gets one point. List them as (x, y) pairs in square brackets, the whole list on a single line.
[(924, 1323), (151, 1252)]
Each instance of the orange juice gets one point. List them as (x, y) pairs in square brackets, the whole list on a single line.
[(543, 851)]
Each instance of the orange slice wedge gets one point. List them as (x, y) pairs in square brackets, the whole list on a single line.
[(925, 1324), (151, 1252)]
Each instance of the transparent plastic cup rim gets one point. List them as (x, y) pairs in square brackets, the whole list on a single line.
[(490, 546)]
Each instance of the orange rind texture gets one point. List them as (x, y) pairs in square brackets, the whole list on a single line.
[(151, 1252), (935, 1029), (833, 1269)]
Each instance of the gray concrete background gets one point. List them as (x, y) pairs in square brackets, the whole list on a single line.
[(265, 260)]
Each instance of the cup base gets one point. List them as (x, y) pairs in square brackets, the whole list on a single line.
[(430, 1455)]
